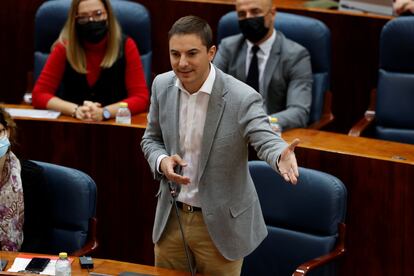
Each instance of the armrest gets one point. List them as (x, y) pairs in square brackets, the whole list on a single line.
[(91, 243), (338, 251), (368, 118), (327, 116), (362, 124)]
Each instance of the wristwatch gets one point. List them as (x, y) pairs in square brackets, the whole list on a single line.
[(106, 114)]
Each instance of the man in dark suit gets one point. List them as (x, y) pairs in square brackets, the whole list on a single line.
[(200, 123), (275, 66)]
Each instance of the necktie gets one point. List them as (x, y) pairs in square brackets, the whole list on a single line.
[(253, 74)]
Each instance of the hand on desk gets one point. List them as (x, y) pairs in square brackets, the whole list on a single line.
[(404, 7), (89, 111)]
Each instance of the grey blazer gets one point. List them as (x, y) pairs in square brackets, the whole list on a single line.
[(287, 81), (229, 201)]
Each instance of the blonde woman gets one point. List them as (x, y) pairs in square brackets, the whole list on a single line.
[(95, 65)]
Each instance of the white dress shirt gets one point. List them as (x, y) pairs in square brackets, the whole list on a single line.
[(193, 111), (262, 56)]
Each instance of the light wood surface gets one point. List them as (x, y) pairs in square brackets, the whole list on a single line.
[(103, 266), (356, 146)]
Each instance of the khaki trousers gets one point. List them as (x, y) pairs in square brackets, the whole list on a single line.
[(170, 253)]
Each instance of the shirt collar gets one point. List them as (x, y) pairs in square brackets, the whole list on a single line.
[(265, 46), (207, 86)]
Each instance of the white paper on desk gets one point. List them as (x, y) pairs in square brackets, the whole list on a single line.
[(33, 113), (21, 263)]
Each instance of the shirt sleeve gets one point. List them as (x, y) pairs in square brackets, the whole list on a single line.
[(50, 77), (138, 95)]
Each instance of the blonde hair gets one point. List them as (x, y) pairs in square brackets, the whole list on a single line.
[(75, 53)]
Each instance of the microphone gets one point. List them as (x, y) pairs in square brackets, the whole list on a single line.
[(174, 193)]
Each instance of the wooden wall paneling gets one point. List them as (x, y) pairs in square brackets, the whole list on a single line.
[(112, 156)]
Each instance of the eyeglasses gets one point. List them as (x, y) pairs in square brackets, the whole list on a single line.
[(97, 15), (3, 133)]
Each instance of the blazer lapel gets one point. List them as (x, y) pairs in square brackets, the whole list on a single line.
[(241, 62), (272, 63), (214, 113), (174, 107)]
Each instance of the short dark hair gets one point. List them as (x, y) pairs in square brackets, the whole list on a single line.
[(192, 24)]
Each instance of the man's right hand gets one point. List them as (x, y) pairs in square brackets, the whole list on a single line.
[(167, 166)]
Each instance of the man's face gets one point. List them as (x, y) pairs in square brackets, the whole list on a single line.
[(254, 8), (190, 60)]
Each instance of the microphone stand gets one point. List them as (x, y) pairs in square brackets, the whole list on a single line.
[(174, 194)]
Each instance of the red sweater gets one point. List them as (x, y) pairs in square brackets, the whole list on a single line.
[(52, 74)]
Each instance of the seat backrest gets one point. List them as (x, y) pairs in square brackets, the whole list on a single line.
[(133, 17), (395, 91), (302, 219), (312, 34), (71, 203)]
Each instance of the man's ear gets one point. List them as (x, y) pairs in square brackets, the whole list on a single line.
[(212, 52)]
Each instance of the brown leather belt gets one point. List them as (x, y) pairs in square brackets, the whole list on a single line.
[(188, 208)]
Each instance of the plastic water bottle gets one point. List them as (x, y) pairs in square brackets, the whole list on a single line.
[(275, 125), (62, 267), (123, 115)]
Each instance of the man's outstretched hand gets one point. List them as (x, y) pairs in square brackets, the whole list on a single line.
[(288, 166)]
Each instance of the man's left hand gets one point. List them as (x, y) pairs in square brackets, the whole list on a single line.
[(287, 165)]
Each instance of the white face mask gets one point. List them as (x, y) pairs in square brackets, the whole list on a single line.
[(4, 145)]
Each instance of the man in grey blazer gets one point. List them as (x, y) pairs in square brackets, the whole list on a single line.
[(285, 72), (200, 123)]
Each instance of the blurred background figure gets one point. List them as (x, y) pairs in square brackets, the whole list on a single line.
[(11, 189)]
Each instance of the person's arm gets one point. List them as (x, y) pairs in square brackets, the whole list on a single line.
[(299, 91), (138, 95), (269, 147), (152, 142), (221, 60), (48, 82)]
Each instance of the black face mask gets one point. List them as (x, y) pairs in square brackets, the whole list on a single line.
[(253, 28), (92, 32)]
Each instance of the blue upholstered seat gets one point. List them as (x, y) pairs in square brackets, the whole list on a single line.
[(393, 116), (311, 33), (305, 221), (67, 220), (133, 17)]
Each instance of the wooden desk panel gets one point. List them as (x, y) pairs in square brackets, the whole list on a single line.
[(112, 156), (104, 266), (380, 213), (377, 174)]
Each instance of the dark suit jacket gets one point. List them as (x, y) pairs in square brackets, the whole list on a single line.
[(287, 79)]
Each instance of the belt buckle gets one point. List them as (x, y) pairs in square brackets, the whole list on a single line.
[(188, 208)]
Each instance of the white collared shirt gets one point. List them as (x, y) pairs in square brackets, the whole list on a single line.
[(262, 56), (193, 111)]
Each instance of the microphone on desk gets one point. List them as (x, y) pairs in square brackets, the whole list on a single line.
[(174, 193)]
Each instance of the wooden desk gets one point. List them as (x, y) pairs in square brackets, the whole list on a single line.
[(380, 214), (112, 156), (109, 267)]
